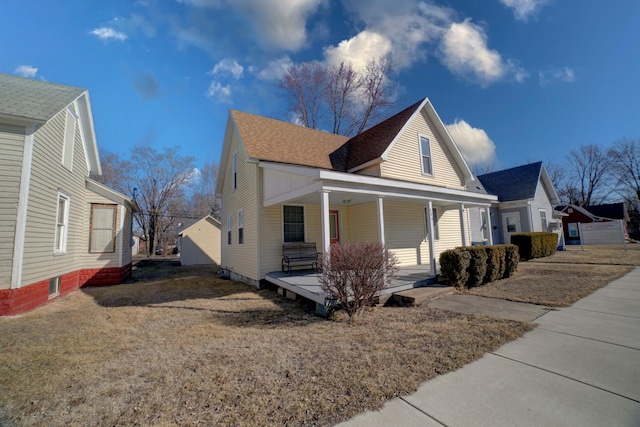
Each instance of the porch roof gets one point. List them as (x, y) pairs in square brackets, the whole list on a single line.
[(303, 185)]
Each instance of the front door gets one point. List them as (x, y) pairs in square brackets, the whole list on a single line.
[(510, 225), (334, 227)]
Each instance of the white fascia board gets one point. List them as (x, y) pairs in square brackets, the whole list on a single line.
[(226, 146), (206, 218), (88, 133), (359, 181), (111, 194), (546, 180), (20, 121), (448, 139), (515, 204), (395, 138)]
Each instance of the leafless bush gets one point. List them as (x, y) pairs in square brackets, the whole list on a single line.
[(354, 273)]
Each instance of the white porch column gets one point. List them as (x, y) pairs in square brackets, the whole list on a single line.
[(489, 228), (324, 215), (432, 246), (381, 220), (463, 225)]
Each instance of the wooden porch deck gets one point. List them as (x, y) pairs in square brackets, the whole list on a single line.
[(305, 283)]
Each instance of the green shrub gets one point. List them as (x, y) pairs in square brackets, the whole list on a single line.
[(454, 264), (477, 265), (495, 256), (536, 244)]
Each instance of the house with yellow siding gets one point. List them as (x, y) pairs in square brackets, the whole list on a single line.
[(402, 182), (59, 229)]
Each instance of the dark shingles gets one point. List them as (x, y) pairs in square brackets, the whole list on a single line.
[(611, 210), (372, 143), (517, 183), (34, 99)]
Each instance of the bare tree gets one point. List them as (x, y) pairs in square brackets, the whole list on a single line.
[(376, 90), (342, 86), (587, 173), (115, 171), (352, 99), (625, 166), (203, 198), (304, 85), (158, 180)]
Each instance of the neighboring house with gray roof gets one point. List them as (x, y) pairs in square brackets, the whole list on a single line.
[(59, 229), (402, 182), (526, 200)]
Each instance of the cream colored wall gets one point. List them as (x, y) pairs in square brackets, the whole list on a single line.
[(48, 175), (200, 244), (405, 232), (370, 171), (362, 223), (241, 259), (11, 150), (404, 160), (450, 232)]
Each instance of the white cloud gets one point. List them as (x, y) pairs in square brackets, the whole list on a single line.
[(26, 71), (219, 92), (107, 33), (275, 69), (465, 52), (474, 144), (565, 74), (523, 9), (358, 50), (280, 24), (228, 66)]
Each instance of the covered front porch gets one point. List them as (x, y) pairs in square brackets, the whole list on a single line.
[(306, 283)]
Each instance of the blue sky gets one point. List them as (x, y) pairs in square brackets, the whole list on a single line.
[(516, 80)]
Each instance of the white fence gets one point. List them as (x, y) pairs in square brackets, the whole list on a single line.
[(602, 233)]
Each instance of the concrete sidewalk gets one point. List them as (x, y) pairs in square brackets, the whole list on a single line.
[(579, 367)]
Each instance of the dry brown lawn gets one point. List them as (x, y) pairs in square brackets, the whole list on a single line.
[(181, 347), (565, 277), (609, 254)]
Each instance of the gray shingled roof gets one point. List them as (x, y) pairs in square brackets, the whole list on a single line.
[(517, 183), (34, 99)]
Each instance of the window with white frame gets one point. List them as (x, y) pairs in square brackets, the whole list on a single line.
[(69, 138), (543, 220), (573, 229), (62, 224), (102, 237), (425, 155), (228, 230), (293, 223), (234, 169), (485, 225), (54, 286), (240, 227), (436, 228)]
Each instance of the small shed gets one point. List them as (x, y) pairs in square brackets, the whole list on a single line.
[(200, 243)]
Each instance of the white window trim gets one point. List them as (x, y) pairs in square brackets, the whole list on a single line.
[(569, 229), (115, 224), (546, 220), (58, 280), (65, 232), (71, 118), (241, 226), (234, 171), (229, 231), (422, 155), (304, 218)]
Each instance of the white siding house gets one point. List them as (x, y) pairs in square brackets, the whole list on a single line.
[(60, 230)]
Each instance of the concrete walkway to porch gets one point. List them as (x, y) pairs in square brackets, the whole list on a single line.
[(579, 367)]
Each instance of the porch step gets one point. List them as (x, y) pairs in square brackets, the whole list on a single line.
[(418, 296)]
